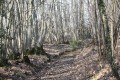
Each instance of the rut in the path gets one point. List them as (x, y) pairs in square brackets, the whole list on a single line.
[(79, 65)]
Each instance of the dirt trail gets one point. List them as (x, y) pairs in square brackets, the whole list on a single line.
[(76, 65), (82, 64)]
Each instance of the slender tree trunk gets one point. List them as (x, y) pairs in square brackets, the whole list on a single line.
[(107, 39)]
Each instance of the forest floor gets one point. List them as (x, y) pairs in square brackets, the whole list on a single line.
[(80, 64)]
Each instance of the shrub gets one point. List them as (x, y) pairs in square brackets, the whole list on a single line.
[(75, 44)]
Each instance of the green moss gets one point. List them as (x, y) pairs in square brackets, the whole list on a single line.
[(26, 59), (40, 50), (32, 51), (2, 78), (3, 62), (37, 51), (14, 56), (75, 44)]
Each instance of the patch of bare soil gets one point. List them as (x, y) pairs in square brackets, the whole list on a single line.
[(82, 64), (77, 65)]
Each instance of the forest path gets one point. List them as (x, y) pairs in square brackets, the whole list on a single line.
[(81, 64), (75, 65)]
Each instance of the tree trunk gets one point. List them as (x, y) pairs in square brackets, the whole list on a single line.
[(107, 39)]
